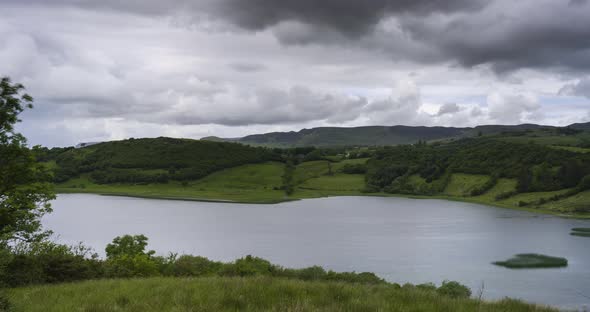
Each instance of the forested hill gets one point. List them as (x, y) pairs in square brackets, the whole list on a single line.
[(151, 160), (372, 135)]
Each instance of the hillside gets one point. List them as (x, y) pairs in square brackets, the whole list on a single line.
[(150, 160), (246, 294), (372, 135), (540, 169)]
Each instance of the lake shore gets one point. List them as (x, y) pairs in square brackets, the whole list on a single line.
[(295, 197)]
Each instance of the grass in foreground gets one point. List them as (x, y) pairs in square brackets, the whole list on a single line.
[(244, 294), (531, 261)]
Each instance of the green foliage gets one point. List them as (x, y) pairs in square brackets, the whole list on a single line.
[(454, 290), (24, 189), (153, 160), (246, 294), (47, 262), (248, 266), (525, 261), (127, 257), (188, 265), (354, 169), (490, 183), (128, 245), (536, 167), (288, 183), (126, 265), (5, 305)]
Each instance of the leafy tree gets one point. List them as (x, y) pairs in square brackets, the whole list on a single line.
[(127, 257), (288, 184), (25, 190), (130, 245)]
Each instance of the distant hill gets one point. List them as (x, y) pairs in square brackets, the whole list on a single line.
[(580, 126), (371, 135)]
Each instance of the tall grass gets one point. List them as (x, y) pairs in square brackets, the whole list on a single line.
[(244, 294)]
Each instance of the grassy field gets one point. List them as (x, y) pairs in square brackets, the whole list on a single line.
[(248, 183), (462, 184), (572, 148), (260, 183), (502, 186), (243, 294), (578, 202), (530, 198)]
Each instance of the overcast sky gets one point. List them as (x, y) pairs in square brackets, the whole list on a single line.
[(111, 69)]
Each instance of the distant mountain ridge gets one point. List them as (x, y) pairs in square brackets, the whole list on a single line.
[(376, 135)]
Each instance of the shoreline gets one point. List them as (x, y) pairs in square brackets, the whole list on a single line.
[(278, 201)]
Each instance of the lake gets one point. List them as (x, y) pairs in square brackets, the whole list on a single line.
[(400, 239)]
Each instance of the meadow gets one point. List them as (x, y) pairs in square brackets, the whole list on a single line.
[(246, 294)]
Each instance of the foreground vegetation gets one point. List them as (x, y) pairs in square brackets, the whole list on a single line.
[(256, 293), (191, 282), (531, 261)]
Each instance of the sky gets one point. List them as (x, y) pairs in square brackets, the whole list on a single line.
[(110, 69)]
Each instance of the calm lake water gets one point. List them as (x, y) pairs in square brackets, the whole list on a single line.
[(401, 240)]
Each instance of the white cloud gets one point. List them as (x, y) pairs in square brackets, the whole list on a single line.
[(512, 108)]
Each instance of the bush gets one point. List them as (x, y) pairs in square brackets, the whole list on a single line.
[(354, 169), (454, 290), (187, 265), (248, 266), (5, 305), (48, 262), (427, 287), (131, 266)]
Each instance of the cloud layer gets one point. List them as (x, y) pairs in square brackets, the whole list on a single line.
[(113, 69)]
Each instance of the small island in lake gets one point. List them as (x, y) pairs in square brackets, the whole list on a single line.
[(532, 261)]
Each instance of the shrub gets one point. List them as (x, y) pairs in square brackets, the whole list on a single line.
[(131, 266), (454, 290), (312, 273), (427, 287), (47, 262), (187, 265), (248, 266), (129, 245), (354, 169), (5, 305)]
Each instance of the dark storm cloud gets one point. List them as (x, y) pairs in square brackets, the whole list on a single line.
[(350, 17), (504, 34)]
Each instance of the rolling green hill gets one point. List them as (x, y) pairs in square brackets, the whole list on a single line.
[(533, 169), (155, 160), (394, 135)]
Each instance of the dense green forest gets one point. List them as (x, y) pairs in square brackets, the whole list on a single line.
[(151, 160), (537, 168)]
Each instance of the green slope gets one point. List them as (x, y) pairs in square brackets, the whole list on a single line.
[(256, 183), (244, 294)]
